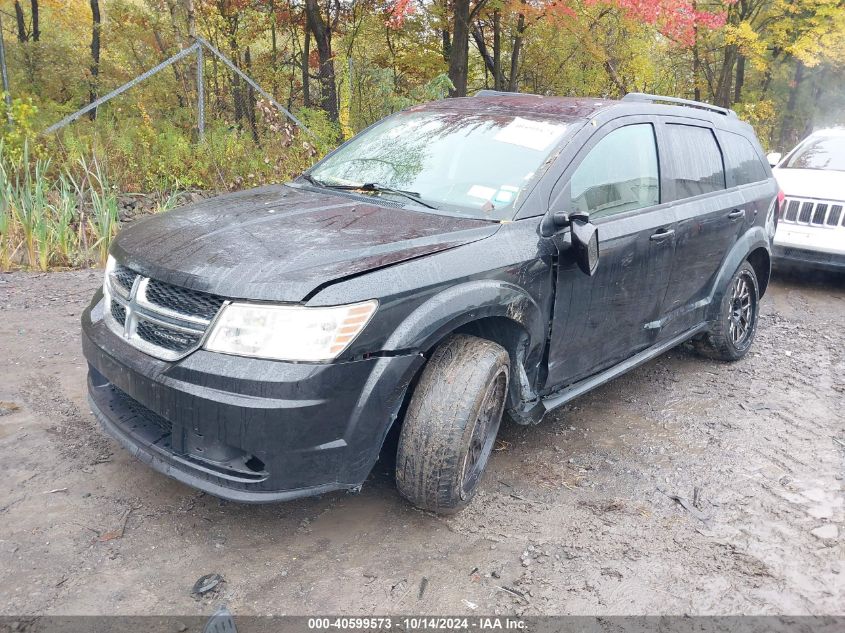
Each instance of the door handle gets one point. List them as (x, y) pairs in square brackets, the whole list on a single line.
[(736, 214), (662, 234)]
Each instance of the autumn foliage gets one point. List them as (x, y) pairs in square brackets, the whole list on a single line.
[(342, 64)]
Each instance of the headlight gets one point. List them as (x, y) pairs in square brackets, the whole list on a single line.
[(288, 332), (110, 266)]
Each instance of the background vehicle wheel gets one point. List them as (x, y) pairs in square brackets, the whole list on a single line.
[(734, 330), (451, 423)]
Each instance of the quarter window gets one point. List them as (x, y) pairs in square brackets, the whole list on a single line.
[(741, 160), (619, 174), (696, 160)]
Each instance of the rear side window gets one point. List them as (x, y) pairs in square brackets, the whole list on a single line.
[(696, 160), (619, 174), (741, 161)]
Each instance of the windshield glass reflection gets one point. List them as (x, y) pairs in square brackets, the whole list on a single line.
[(822, 153), (473, 164)]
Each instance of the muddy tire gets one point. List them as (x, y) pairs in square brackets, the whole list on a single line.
[(451, 423), (732, 334)]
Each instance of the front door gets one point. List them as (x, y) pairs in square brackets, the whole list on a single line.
[(601, 320)]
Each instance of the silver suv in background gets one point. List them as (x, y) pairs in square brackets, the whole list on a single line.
[(811, 230)]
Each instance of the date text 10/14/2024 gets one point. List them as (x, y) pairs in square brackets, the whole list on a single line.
[(417, 623)]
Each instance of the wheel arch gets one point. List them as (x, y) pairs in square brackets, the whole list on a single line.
[(496, 310), (515, 338), (761, 261), (507, 332), (493, 310), (753, 243)]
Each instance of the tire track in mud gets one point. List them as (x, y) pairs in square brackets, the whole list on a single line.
[(75, 433), (571, 507), (760, 526)]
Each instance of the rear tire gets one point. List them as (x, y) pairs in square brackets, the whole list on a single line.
[(451, 423), (732, 334)]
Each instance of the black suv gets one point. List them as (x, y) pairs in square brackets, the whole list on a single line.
[(454, 262)]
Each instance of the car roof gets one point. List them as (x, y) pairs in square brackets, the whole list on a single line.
[(493, 103), (488, 102), (829, 131)]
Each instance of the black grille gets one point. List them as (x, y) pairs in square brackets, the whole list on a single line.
[(190, 302), (118, 312), (815, 257), (806, 210), (125, 277), (814, 213), (130, 405), (167, 338), (792, 210)]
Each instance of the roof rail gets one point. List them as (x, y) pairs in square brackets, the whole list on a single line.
[(649, 98), (501, 93), (492, 93)]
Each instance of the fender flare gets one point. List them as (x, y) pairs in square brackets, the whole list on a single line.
[(442, 314), (459, 305), (751, 240), (472, 301)]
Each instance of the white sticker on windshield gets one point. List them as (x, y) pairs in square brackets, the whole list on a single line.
[(503, 196), (480, 191), (537, 135)]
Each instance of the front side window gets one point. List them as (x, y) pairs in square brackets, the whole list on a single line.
[(474, 164), (619, 174), (742, 163), (696, 160), (819, 153)]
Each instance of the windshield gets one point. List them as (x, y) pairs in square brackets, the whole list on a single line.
[(820, 153), (473, 164)]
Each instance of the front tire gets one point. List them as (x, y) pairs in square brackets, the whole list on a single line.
[(733, 332), (451, 423)]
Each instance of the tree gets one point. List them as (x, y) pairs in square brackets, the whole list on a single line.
[(322, 29), (36, 31), (463, 13), (96, 25), (191, 16), (20, 19)]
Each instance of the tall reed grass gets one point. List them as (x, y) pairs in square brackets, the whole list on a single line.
[(56, 218)]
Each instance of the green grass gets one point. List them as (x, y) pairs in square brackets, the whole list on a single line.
[(59, 195), (50, 219)]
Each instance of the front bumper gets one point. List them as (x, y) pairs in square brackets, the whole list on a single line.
[(816, 246), (245, 429), (811, 258)]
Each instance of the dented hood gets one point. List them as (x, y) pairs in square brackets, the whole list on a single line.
[(283, 243)]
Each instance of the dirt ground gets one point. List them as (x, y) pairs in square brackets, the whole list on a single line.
[(685, 487)]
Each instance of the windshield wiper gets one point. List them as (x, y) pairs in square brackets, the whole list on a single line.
[(313, 181), (372, 187), (411, 195)]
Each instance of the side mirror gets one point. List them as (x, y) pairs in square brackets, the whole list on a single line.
[(552, 223), (585, 242), (774, 158)]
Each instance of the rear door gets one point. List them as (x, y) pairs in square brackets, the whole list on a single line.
[(601, 320), (746, 171), (710, 219)]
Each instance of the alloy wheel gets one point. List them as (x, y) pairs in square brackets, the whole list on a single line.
[(740, 311), (484, 432)]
